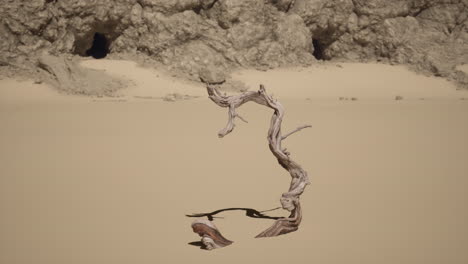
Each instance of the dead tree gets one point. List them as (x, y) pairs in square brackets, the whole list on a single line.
[(211, 237), (290, 199)]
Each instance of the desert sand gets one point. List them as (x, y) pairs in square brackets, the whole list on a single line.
[(108, 180)]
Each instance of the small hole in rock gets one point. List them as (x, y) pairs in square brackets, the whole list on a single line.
[(100, 47), (318, 49)]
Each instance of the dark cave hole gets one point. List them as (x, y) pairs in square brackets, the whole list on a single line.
[(100, 47), (197, 10), (318, 49)]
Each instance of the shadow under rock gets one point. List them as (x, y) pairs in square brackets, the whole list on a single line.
[(216, 235)]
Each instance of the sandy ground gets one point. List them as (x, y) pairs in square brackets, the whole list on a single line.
[(362, 81), (109, 180)]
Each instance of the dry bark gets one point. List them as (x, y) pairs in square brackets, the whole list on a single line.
[(211, 237), (290, 199)]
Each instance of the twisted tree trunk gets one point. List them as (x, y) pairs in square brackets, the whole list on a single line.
[(211, 237), (290, 199)]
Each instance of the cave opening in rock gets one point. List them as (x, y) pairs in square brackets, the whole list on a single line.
[(318, 49), (100, 47)]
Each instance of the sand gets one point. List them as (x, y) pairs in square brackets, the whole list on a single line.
[(362, 81), (109, 180)]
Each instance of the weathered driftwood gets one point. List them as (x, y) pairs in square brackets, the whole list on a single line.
[(290, 199), (211, 237)]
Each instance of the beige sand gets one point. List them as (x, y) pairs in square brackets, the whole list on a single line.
[(362, 81), (85, 181)]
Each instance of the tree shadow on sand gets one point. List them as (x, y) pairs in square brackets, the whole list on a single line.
[(198, 244), (248, 212)]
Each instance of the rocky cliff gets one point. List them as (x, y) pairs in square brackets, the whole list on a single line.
[(192, 35)]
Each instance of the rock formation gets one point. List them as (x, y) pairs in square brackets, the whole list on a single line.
[(191, 35), (70, 78)]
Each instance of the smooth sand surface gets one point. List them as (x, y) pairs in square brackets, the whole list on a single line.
[(362, 81), (86, 180)]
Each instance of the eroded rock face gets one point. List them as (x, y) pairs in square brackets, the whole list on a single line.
[(429, 35), (185, 34), (190, 35), (70, 78)]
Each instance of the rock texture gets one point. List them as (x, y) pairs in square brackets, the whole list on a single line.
[(429, 35), (192, 35), (70, 78)]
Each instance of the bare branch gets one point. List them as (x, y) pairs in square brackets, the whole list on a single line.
[(294, 131), (230, 125), (241, 118), (299, 178), (211, 237)]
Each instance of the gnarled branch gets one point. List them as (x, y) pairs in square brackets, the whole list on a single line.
[(211, 237), (290, 199), (294, 131)]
